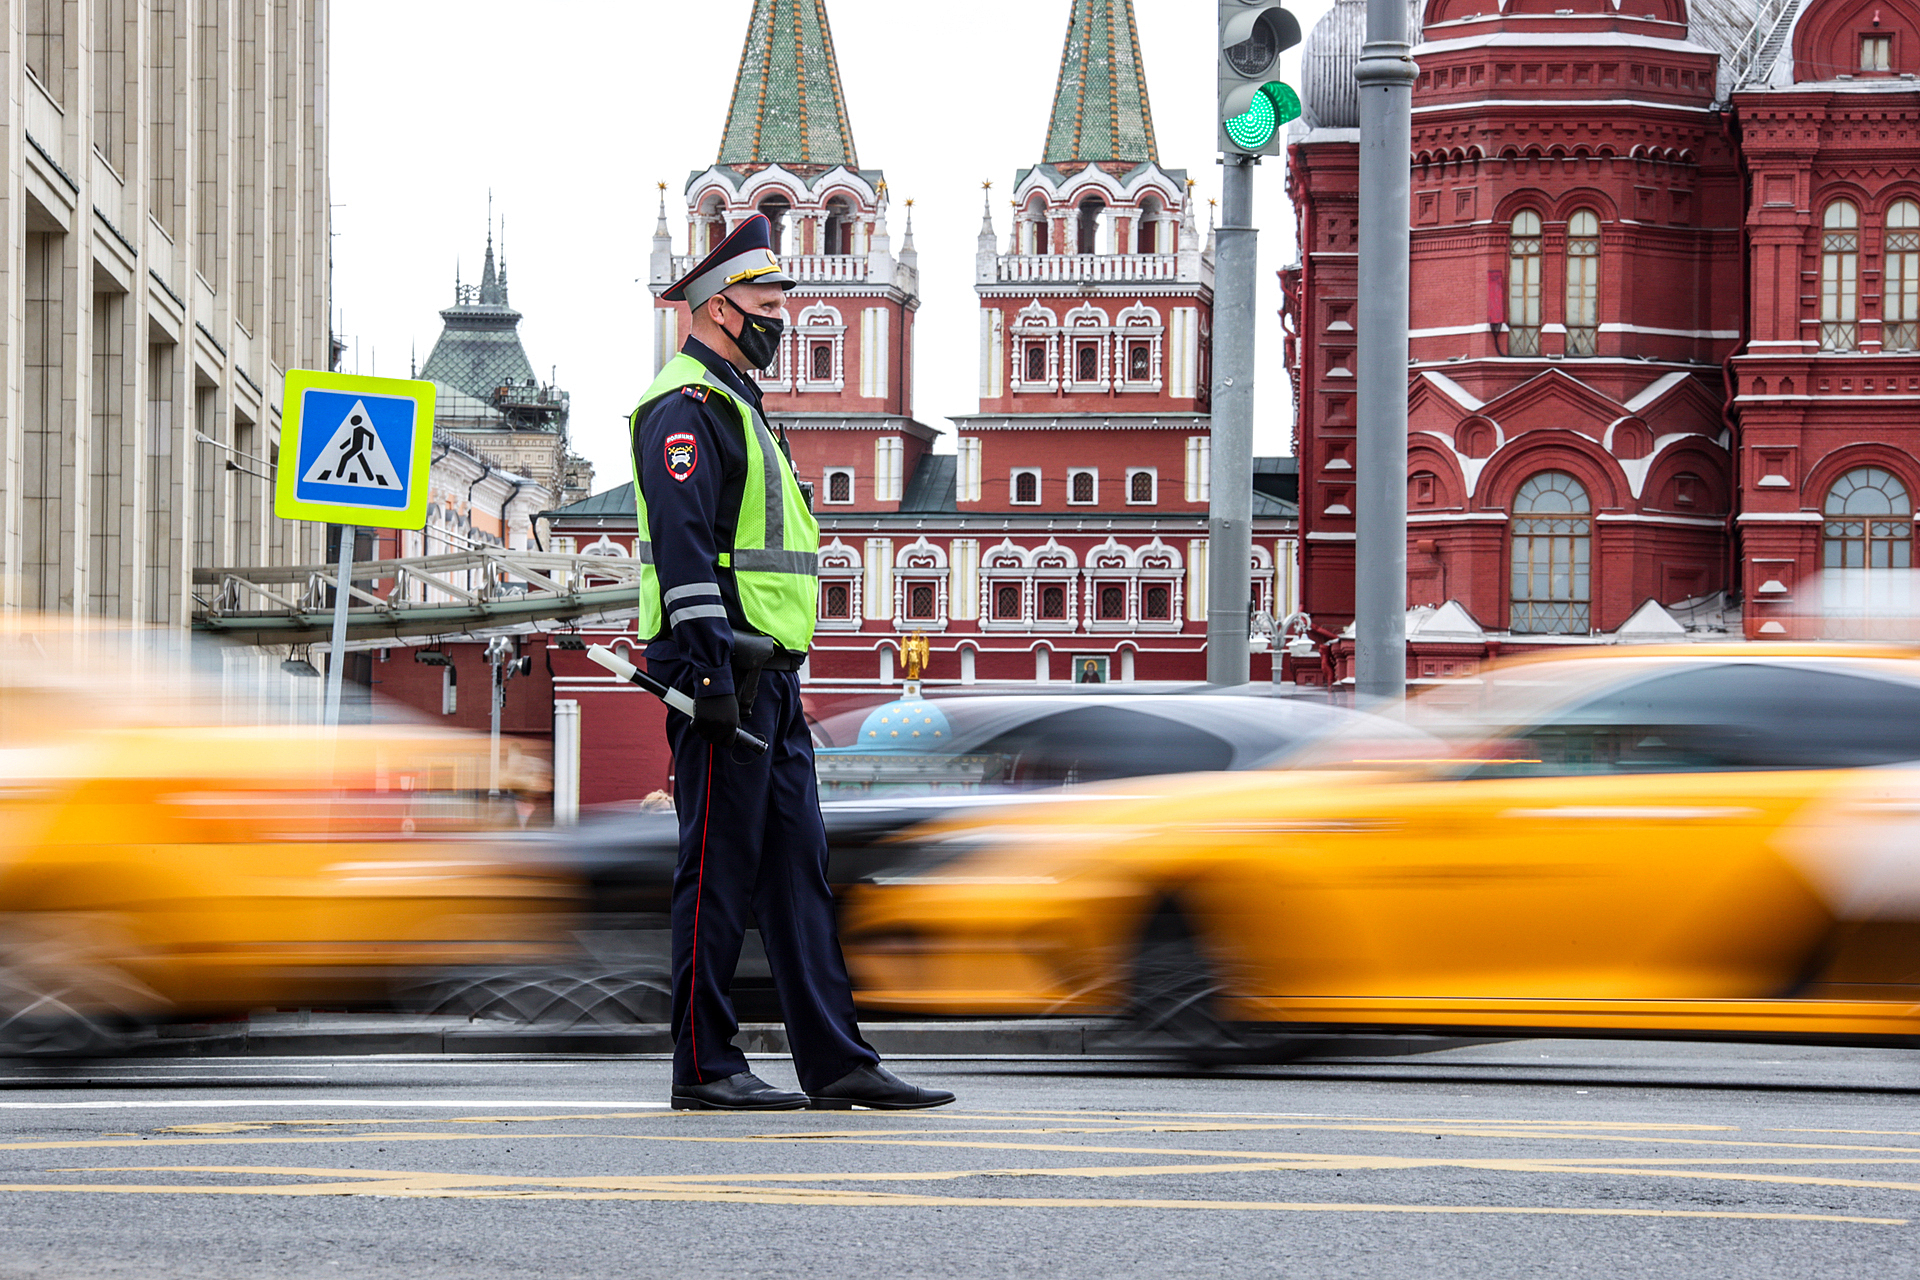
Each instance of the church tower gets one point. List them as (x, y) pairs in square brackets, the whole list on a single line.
[(1095, 320), (842, 384)]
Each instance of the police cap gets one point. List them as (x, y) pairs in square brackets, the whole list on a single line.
[(744, 256)]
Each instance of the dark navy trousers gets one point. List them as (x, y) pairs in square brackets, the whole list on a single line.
[(753, 852)]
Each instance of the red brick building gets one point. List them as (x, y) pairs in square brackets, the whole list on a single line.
[(1664, 264)]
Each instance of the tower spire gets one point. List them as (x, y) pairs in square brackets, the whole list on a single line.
[(787, 106), (1100, 107), (492, 289)]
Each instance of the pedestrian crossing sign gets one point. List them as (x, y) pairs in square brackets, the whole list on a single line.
[(353, 450)]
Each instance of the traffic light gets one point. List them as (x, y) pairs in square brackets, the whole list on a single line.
[(1254, 101)]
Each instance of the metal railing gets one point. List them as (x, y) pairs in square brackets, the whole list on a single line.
[(422, 595), (810, 268), (1089, 266)]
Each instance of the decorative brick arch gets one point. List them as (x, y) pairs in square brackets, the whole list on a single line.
[(1585, 198), (1822, 476), (1826, 40), (1434, 458), (1552, 450), (1713, 490)]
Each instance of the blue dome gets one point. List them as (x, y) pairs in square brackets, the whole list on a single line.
[(908, 725)]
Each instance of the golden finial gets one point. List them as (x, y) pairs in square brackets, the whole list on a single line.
[(880, 187), (987, 185), (661, 185), (909, 202)]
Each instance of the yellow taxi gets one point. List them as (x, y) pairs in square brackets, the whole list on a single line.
[(1708, 841), (163, 855)]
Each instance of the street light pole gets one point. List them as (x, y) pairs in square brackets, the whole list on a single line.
[(1385, 74), (1230, 472)]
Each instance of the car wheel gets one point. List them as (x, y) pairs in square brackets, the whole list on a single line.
[(1174, 994), (61, 992)]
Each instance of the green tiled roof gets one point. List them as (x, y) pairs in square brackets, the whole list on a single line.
[(479, 349), (787, 106), (1100, 107)]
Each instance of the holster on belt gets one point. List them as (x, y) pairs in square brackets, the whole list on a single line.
[(752, 654)]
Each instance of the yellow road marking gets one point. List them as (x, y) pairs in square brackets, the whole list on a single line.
[(742, 1191)]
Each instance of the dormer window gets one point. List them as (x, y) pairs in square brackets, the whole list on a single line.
[(1876, 53)]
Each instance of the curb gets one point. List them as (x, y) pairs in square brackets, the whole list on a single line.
[(304, 1036)]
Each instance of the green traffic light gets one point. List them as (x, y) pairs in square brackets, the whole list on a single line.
[(1274, 105)]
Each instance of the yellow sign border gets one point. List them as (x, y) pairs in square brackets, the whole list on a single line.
[(292, 403)]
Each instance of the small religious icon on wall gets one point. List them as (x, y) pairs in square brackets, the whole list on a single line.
[(1089, 669)]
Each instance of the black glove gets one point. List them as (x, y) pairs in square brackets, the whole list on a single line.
[(715, 718)]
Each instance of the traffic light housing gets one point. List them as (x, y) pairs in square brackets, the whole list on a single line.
[(1254, 102)]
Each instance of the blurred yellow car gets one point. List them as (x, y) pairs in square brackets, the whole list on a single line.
[(1691, 842), (159, 864)]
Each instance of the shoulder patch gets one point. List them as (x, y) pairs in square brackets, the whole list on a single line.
[(696, 391), (683, 455)]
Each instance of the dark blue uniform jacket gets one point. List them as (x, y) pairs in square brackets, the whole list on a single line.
[(693, 502)]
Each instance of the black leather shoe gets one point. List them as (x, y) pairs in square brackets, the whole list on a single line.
[(743, 1092), (879, 1088)]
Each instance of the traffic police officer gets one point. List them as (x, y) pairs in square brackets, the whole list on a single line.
[(727, 549)]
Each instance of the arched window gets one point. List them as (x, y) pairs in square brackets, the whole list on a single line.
[(822, 362), (1147, 240), (1090, 210), (1026, 487), (839, 486), (1902, 329), (1140, 487), (1840, 277), (1156, 603), (1869, 522), (1552, 555), (776, 208), (1006, 602), (839, 229), (1523, 285), (1583, 282), (1113, 604), (1037, 229), (1082, 486), (1086, 363), (1036, 362), (835, 600), (1139, 366)]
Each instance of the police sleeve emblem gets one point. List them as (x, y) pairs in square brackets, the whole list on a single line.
[(683, 455)]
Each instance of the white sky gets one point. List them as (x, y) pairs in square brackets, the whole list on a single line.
[(571, 111)]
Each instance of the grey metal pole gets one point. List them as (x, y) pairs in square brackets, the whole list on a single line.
[(1385, 74), (337, 655), (1230, 473)]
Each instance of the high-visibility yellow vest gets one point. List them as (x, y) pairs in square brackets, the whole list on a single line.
[(776, 541)]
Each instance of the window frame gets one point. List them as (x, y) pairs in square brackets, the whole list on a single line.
[(1153, 486), (1839, 295), (1582, 287), (1523, 284), (827, 475), (1534, 532), (1093, 477), (1013, 487)]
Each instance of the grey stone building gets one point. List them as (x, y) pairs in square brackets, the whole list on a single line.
[(166, 260)]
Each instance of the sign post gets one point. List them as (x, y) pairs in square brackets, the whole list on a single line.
[(353, 451)]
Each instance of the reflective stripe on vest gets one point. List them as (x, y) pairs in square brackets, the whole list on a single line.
[(775, 555)]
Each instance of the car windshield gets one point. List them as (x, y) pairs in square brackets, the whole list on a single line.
[(996, 743)]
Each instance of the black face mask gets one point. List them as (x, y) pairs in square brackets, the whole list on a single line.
[(759, 336)]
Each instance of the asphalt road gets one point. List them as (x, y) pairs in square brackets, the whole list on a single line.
[(1536, 1158)]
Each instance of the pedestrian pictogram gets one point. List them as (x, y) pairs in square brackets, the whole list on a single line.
[(354, 450), (354, 455)]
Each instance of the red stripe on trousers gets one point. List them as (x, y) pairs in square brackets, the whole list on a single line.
[(699, 893)]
